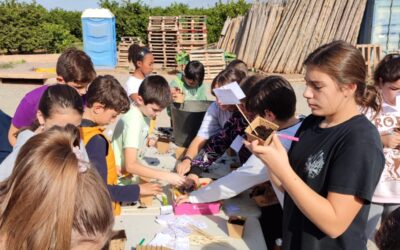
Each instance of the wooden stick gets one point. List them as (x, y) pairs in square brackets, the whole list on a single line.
[(255, 132)]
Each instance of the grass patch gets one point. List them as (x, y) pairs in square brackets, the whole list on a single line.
[(10, 65)]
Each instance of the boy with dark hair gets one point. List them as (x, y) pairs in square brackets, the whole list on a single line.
[(190, 84), (238, 65), (74, 68), (274, 99), (130, 134), (106, 99)]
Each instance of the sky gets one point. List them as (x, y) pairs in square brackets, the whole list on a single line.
[(84, 4)]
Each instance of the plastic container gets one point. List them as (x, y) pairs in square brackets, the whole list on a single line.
[(186, 119)]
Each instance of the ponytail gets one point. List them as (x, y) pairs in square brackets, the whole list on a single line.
[(371, 100), (137, 53)]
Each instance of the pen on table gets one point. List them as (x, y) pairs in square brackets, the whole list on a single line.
[(141, 242)]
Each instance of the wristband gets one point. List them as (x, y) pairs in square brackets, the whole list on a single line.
[(186, 158)]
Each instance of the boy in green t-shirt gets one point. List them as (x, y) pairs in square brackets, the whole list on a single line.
[(130, 134), (190, 84)]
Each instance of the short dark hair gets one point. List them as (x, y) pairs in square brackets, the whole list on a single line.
[(227, 76), (388, 69), (107, 91), (155, 89), (238, 65), (194, 70), (275, 94), (247, 83), (74, 65), (387, 237)]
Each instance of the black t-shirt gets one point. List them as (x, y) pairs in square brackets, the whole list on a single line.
[(345, 159)]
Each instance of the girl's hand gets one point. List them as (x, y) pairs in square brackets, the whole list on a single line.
[(391, 140), (175, 179), (150, 189), (184, 198), (273, 155)]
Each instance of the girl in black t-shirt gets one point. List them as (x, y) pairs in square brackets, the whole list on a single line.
[(331, 173)]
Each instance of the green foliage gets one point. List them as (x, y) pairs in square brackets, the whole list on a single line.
[(27, 26), (132, 17)]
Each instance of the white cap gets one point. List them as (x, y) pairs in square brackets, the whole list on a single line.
[(97, 13)]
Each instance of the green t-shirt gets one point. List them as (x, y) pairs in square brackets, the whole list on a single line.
[(130, 132), (191, 93)]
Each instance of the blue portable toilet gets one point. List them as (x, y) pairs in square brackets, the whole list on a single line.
[(99, 37)]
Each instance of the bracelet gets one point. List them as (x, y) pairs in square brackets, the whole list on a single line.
[(186, 158)]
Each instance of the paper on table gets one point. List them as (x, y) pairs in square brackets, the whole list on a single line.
[(229, 94), (237, 143), (166, 240)]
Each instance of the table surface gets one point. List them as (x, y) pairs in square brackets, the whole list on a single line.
[(142, 226)]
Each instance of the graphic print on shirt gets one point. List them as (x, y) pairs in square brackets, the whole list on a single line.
[(314, 164), (386, 123)]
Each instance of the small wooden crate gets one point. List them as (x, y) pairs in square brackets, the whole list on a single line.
[(236, 230), (259, 121)]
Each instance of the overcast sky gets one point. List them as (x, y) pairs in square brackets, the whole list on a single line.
[(84, 4)]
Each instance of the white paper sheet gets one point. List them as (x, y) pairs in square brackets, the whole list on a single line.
[(229, 94), (237, 143)]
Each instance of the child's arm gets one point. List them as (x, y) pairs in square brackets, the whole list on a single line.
[(97, 152), (184, 166), (253, 172), (134, 167), (332, 214)]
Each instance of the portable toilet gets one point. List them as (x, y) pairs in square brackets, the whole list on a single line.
[(99, 37)]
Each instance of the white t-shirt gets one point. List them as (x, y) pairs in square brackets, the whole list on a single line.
[(132, 85), (7, 166), (213, 121), (388, 188), (251, 173)]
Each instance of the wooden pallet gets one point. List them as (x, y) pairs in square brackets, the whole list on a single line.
[(164, 23), (212, 59), (372, 56)]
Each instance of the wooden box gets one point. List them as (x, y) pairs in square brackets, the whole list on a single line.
[(257, 122), (235, 226)]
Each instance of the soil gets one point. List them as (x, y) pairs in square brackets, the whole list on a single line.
[(262, 132), (237, 221)]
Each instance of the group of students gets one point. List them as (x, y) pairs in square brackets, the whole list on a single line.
[(59, 185)]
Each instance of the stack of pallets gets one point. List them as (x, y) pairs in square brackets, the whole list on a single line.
[(123, 47), (212, 59), (163, 40), (192, 32)]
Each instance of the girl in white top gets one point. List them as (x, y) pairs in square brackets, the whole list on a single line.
[(59, 105), (387, 193), (143, 60)]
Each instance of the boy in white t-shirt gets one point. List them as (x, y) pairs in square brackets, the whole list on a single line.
[(130, 134)]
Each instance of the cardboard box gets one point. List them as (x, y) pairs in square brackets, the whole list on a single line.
[(195, 208), (162, 145), (145, 200), (257, 122), (118, 241), (236, 226)]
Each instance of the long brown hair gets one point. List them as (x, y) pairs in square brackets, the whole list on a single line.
[(345, 64), (48, 195)]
